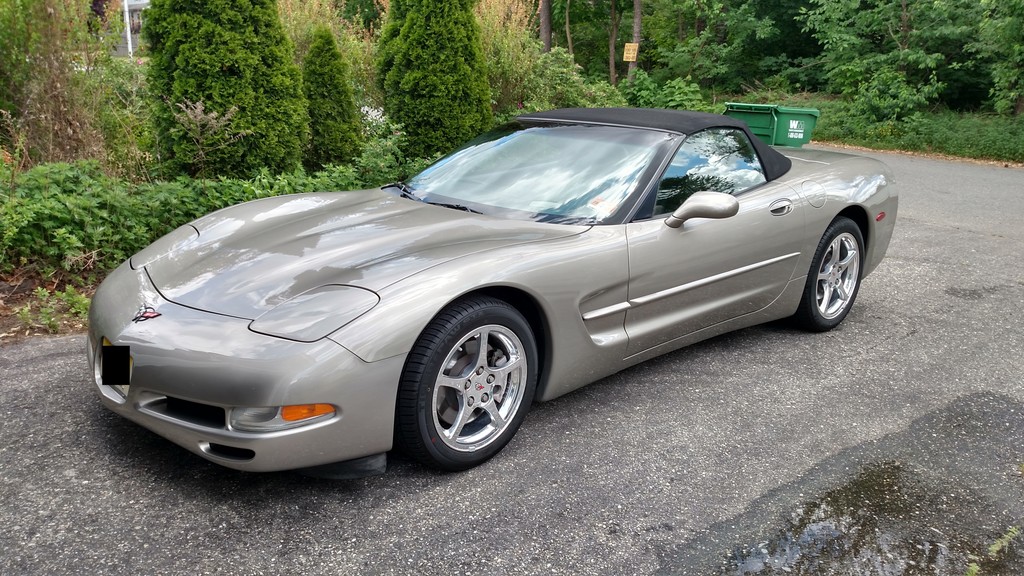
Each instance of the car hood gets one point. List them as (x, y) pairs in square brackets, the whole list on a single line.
[(249, 258)]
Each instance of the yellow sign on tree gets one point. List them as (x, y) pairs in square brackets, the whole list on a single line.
[(629, 55)]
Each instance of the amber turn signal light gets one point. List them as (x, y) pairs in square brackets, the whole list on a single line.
[(304, 411)]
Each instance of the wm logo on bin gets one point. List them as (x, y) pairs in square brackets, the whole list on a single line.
[(796, 129)]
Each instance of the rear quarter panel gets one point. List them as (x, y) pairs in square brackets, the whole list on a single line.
[(835, 183)]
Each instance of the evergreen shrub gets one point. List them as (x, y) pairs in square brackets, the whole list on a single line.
[(333, 118), (435, 79), (225, 54)]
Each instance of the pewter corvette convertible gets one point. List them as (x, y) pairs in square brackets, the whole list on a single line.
[(318, 331)]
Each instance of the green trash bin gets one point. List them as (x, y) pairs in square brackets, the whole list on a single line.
[(776, 125)]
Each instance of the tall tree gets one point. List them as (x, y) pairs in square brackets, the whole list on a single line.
[(637, 15), (544, 10), (334, 121), (435, 81), (613, 41), (226, 55)]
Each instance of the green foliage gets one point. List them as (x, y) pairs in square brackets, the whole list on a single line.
[(887, 95), (225, 54), (18, 19), (705, 41), (47, 50), (677, 93), (511, 50), (334, 121), (383, 159), (74, 218), (435, 79), (642, 91), (388, 44), (123, 117), (1003, 542), (683, 94), (50, 308), (300, 19), (1002, 37), (556, 83), (895, 57)]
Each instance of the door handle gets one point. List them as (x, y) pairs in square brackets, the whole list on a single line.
[(781, 207)]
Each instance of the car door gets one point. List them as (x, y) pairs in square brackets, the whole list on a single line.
[(710, 270)]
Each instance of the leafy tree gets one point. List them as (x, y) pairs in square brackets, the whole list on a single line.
[(895, 56), (1002, 36), (226, 54), (334, 120), (705, 41), (435, 79)]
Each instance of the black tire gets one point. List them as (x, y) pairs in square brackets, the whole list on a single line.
[(833, 280), (456, 408)]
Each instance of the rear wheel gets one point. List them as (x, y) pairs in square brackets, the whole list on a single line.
[(467, 385), (834, 278)]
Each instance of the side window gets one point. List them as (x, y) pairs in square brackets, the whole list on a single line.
[(718, 159)]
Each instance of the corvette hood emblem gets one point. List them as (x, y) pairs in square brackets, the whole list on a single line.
[(145, 313)]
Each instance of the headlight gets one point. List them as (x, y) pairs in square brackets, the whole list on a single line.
[(272, 418), (316, 313), (166, 244)]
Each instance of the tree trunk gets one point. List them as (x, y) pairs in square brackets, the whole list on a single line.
[(568, 32), (637, 13), (545, 24), (613, 36)]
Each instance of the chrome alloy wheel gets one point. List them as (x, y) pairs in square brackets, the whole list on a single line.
[(838, 276), (479, 388)]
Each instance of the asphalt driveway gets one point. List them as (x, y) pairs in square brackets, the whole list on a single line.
[(892, 445)]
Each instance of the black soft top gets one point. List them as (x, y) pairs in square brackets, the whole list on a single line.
[(676, 121)]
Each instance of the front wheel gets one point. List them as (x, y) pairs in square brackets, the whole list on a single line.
[(834, 278), (467, 384)]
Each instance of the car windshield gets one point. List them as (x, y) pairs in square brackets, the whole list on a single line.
[(557, 173)]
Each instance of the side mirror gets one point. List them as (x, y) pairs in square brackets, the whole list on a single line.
[(705, 204)]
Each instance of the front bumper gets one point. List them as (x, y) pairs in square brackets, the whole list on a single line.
[(189, 368)]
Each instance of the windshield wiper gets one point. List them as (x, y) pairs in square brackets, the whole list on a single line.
[(456, 207), (405, 189)]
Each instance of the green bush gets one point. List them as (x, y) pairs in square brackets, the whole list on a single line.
[(556, 83), (334, 122), (74, 218), (511, 48), (225, 55), (383, 159), (123, 115), (435, 79), (677, 93), (642, 91)]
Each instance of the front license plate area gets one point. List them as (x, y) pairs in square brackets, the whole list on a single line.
[(116, 365)]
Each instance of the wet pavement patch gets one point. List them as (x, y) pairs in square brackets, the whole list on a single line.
[(879, 523), (940, 498)]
